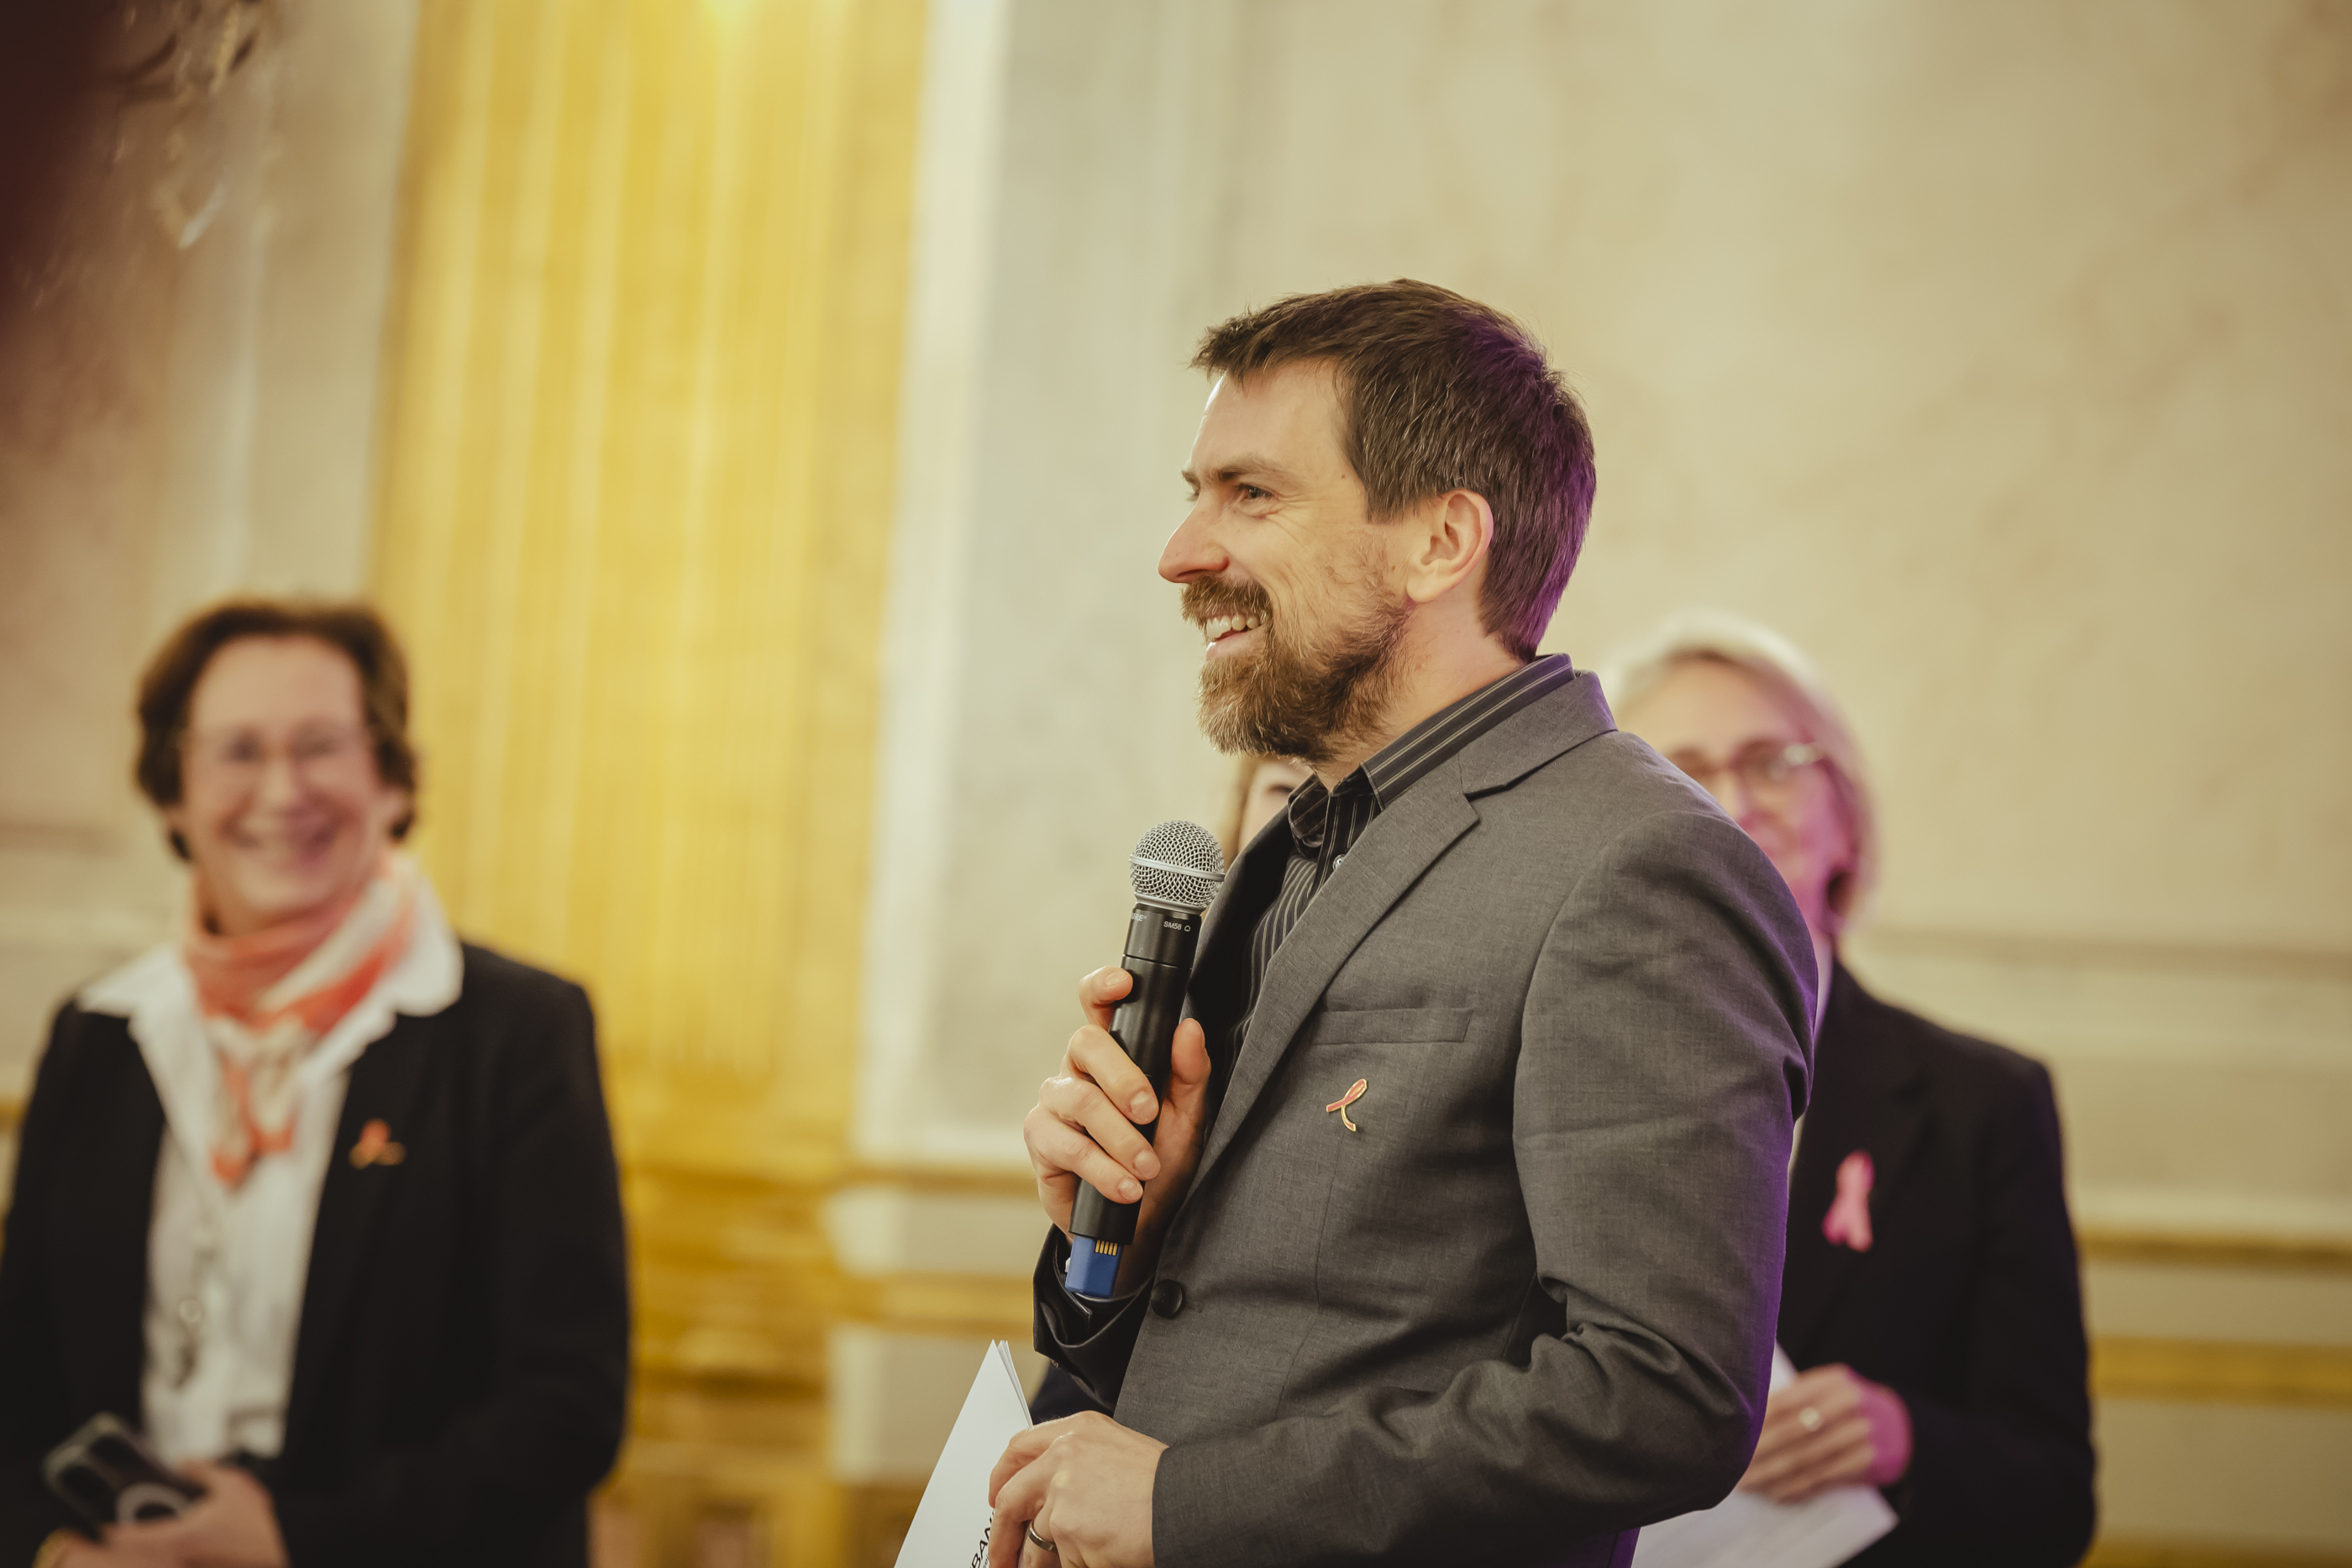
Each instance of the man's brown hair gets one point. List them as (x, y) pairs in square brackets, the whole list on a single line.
[(1438, 393), (355, 630)]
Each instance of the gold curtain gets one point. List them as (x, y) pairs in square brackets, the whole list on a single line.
[(634, 509)]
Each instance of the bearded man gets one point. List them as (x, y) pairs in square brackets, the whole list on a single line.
[(1462, 1222)]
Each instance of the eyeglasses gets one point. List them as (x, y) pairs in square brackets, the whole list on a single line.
[(242, 756), (1767, 769)]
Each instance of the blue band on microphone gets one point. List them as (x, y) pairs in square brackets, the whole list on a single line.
[(1094, 1268)]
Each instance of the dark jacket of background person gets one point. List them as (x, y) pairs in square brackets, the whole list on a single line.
[(1967, 1302), (461, 1367)]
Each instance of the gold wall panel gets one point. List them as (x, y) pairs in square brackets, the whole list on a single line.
[(634, 511)]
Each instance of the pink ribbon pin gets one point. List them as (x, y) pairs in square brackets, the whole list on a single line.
[(1847, 1224)]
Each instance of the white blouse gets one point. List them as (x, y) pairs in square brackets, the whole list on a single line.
[(226, 1267)]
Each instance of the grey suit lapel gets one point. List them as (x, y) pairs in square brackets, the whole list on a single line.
[(1390, 856), (1401, 843)]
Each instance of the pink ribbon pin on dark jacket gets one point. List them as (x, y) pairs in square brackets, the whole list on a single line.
[(1847, 1224)]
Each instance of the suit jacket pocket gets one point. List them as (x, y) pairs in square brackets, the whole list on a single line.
[(1372, 1061), (1344, 1098), (1420, 1140), (1356, 1074)]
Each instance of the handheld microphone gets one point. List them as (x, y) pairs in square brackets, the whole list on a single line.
[(1175, 871)]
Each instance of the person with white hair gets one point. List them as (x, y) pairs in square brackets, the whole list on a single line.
[(1930, 1291)]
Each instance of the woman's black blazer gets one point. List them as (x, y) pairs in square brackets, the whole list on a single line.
[(1967, 1302), (461, 1367)]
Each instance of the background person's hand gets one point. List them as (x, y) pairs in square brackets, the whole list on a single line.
[(1829, 1427), (1086, 1122), (1086, 1483), (234, 1525)]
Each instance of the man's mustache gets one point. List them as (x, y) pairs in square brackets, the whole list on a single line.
[(1206, 596)]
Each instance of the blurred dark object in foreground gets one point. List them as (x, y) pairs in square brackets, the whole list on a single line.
[(49, 86)]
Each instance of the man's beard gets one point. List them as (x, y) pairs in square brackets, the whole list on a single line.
[(1290, 699)]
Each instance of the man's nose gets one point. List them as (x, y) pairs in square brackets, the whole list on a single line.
[(1192, 550)]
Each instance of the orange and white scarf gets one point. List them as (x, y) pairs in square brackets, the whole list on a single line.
[(269, 998)]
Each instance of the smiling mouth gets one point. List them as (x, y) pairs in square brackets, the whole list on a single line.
[(1217, 629), (283, 843)]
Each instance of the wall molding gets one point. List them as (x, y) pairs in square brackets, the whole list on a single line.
[(2261, 960), (2133, 1554), (2216, 1372), (2216, 1250)]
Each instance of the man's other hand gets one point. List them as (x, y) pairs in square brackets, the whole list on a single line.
[(1829, 1427), (1084, 1483), (1087, 1122)]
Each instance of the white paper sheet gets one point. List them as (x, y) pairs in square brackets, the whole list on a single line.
[(950, 1527), (1744, 1530)]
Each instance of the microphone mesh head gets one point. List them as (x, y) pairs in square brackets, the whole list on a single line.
[(1179, 864)]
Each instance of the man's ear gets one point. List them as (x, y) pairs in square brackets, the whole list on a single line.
[(1451, 540)]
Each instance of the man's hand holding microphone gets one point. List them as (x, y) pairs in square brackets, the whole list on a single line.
[(1079, 1491), (1088, 1125)]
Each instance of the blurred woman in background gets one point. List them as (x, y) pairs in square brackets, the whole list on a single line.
[(320, 1197), (1931, 1293)]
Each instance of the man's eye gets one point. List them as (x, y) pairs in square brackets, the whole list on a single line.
[(1250, 493)]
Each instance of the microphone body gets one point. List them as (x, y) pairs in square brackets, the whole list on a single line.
[(1161, 934)]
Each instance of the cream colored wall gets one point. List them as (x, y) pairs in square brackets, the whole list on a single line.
[(1995, 352)]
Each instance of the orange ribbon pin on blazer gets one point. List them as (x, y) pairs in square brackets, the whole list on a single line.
[(1355, 1093), (376, 1147)]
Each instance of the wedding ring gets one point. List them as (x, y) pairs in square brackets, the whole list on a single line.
[(1029, 1529), (1810, 1420)]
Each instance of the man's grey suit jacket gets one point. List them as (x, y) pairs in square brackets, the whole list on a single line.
[(1527, 1304)]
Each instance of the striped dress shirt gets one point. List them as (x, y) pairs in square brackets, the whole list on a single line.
[(1325, 823)]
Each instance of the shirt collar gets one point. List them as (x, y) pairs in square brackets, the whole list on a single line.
[(1419, 751)]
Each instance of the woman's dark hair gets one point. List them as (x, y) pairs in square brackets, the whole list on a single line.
[(353, 630)]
